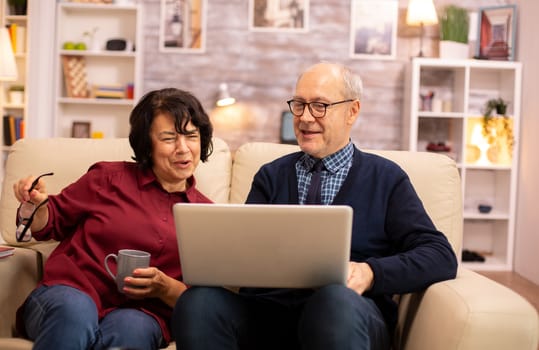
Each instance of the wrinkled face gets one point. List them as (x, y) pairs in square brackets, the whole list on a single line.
[(321, 137), (175, 156)]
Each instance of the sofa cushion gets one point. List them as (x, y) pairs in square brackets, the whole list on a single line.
[(248, 158), (441, 198), (70, 158)]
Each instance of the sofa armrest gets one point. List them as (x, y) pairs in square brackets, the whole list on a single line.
[(19, 274), (469, 312)]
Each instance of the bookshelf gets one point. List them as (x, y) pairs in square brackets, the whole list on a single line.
[(96, 85), (453, 119), (13, 94)]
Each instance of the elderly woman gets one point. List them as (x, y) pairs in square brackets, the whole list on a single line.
[(116, 205)]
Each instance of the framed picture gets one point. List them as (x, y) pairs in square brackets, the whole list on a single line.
[(373, 32), (276, 15), (80, 129), (182, 26), (497, 27), (287, 128)]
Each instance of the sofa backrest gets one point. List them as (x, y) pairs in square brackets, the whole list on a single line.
[(434, 176), (70, 158)]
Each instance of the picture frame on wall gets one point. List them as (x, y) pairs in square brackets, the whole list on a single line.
[(373, 29), (496, 33), (80, 129), (183, 26), (278, 15)]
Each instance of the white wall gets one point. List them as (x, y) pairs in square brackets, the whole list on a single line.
[(527, 227), (41, 85)]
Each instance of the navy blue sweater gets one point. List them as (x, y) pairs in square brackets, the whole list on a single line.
[(391, 229)]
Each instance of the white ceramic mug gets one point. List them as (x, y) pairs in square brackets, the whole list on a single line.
[(126, 261)]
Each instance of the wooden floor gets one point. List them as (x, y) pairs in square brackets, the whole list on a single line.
[(519, 284), (516, 282)]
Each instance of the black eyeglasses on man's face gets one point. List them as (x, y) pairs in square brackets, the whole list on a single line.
[(317, 109), (26, 213)]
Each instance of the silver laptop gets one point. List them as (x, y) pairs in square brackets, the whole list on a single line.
[(253, 245)]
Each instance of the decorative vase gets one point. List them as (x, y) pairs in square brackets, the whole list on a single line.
[(16, 97), (453, 50)]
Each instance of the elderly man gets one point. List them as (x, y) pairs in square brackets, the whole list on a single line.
[(395, 246)]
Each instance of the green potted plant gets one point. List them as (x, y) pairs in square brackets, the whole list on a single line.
[(454, 27), (17, 7), (497, 125)]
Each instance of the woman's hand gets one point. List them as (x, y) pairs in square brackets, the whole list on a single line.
[(38, 194), (150, 282), (360, 277)]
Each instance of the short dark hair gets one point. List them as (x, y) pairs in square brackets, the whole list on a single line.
[(183, 106)]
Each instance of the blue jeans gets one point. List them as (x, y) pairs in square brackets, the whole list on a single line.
[(62, 317), (333, 317)]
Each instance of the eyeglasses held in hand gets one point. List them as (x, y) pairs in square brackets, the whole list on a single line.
[(26, 212), (317, 109)]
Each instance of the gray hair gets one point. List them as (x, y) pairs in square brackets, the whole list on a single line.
[(353, 86)]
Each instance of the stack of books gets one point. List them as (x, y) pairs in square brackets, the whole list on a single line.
[(109, 91), (13, 129)]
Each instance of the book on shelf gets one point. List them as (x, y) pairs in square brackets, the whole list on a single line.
[(20, 45), (109, 91), (6, 251), (12, 29), (17, 34), (14, 129)]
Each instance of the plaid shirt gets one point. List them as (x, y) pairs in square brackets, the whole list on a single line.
[(336, 167)]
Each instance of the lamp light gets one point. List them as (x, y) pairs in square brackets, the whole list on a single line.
[(421, 12), (8, 68), (478, 140), (223, 97)]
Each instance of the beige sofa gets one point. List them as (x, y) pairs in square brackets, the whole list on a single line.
[(470, 312)]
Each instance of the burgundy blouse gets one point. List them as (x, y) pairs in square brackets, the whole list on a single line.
[(115, 205)]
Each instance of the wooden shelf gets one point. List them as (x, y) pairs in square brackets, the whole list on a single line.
[(96, 101), (105, 54)]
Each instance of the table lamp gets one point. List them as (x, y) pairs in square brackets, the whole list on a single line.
[(421, 12), (8, 68)]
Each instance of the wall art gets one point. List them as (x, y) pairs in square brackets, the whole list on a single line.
[(497, 26), (278, 15), (373, 32), (182, 26)]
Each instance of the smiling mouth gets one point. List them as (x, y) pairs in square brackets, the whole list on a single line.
[(309, 132), (182, 163)]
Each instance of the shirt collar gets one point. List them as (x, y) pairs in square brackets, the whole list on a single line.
[(147, 177), (333, 162)]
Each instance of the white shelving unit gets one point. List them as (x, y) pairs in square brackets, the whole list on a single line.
[(454, 119), (7, 106), (106, 68)]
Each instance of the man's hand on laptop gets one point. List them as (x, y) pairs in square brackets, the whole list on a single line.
[(360, 277)]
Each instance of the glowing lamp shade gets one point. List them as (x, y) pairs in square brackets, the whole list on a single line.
[(223, 97), (8, 68), (421, 13)]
